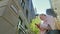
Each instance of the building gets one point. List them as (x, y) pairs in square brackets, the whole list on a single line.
[(35, 11), (55, 4), (28, 8), (13, 13), (28, 11), (51, 12), (32, 12), (8, 16)]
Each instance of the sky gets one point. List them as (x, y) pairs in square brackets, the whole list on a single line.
[(41, 5)]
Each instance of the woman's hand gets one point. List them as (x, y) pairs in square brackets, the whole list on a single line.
[(40, 28), (38, 25)]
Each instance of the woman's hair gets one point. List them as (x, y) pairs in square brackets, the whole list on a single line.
[(42, 14)]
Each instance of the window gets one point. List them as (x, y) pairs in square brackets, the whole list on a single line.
[(14, 8), (27, 13), (22, 0), (55, 8), (26, 27), (20, 27), (21, 20), (23, 3)]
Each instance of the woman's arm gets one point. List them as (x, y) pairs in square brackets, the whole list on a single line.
[(45, 26), (38, 25)]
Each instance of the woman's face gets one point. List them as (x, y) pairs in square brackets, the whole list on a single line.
[(42, 17)]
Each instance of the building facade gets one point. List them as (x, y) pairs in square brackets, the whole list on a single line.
[(15, 16), (32, 12), (55, 4), (8, 16), (28, 9), (51, 12)]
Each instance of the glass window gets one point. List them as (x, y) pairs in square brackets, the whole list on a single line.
[(27, 13), (22, 0), (26, 27), (21, 28), (20, 20), (23, 3), (14, 8)]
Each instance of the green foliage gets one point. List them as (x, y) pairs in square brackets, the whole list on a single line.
[(33, 26)]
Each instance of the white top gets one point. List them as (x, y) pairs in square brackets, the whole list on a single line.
[(49, 20)]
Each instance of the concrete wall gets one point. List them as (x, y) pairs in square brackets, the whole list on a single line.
[(10, 10), (55, 4), (8, 17)]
